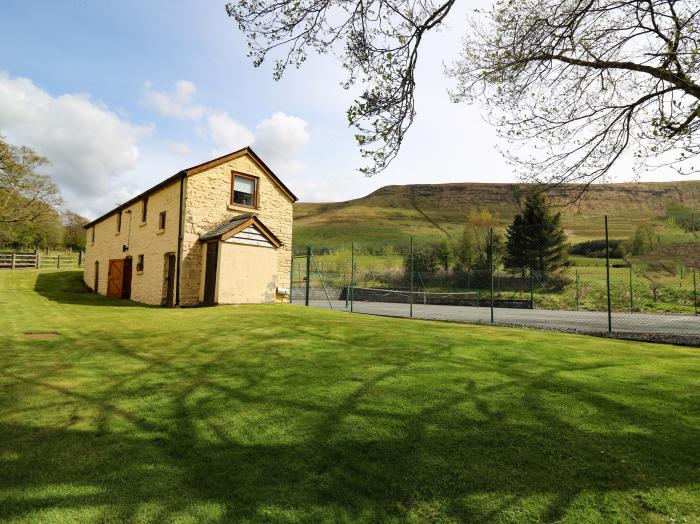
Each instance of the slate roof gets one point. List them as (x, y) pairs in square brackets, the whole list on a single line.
[(225, 227), (239, 222)]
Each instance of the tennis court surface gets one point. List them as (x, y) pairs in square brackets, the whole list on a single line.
[(594, 322)]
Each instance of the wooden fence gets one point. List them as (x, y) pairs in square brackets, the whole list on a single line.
[(39, 261)]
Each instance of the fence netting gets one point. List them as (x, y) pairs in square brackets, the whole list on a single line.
[(621, 277)]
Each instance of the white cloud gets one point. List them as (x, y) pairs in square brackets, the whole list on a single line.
[(280, 139), (177, 104), (86, 143), (178, 148), (227, 134)]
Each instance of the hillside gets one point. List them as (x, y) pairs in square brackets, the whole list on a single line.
[(427, 210)]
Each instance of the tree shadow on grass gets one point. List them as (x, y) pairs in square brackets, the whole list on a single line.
[(67, 287), (251, 440)]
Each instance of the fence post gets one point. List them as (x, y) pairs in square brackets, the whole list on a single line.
[(80, 258), (58, 261), (577, 290), (291, 277), (532, 291), (410, 294), (631, 293), (13, 261), (352, 275), (469, 273), (37, 259), (491, 267), (695, 293), (607, 273), (308, 275)]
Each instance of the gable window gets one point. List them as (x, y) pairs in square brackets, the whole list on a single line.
[(161, 220), (144, 209), (119, 222), (139, 263), (244, 190)]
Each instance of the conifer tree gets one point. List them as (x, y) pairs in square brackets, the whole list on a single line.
[(536, 240)]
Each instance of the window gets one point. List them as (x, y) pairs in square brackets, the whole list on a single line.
[(119, 222), (161, 220), (93, 234), (244, 191), (139, 263), (144, 209)]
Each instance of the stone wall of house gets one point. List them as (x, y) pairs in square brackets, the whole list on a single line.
[(207, 204), (142, 238)]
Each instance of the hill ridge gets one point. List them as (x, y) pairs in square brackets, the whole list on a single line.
[(424, 210)]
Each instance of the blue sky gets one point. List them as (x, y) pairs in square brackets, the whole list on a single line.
[(121, 94)]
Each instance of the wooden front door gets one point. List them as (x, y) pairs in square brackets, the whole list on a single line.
[(210, 273), (115, 278), (170, 282), (126, 283)]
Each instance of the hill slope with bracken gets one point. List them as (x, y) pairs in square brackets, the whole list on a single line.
[(439, 210)]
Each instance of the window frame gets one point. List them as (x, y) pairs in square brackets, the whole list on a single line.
[(144, 210), (255, 179), (162, 217)]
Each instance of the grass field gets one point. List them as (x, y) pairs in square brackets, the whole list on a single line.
[(288, 414)]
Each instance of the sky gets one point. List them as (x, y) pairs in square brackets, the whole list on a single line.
[(119, 95)]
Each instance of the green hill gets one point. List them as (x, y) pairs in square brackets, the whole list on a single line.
[(430, 211)]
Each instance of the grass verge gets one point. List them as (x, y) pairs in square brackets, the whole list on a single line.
[(288, 414)]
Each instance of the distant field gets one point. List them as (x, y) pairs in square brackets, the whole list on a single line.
[(115, 412), (427, 212)]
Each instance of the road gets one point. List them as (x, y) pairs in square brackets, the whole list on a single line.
[(583, 321)]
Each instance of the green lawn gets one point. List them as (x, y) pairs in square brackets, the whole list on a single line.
[(289, 414)]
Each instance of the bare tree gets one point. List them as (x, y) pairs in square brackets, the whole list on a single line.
[(380, 41), (25, 195), (582, 81), (73, 230)]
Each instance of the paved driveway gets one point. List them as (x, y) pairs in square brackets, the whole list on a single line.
[(584, 321)]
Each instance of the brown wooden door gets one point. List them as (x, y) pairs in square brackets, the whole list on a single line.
[(126, 283), (115, 278), (210, 273), (169, 282)]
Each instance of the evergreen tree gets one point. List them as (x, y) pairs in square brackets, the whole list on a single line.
[(536, 240)]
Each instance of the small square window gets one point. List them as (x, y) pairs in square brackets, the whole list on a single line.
[(244, 191), (139, 263), (161, 220)]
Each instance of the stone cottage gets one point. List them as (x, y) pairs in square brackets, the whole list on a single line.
[(216, 233)]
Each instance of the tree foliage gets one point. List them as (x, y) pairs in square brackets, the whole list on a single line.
[(472, 250), (378, 42), (30, 203), (536, 240), (584, 81), (25, 194)]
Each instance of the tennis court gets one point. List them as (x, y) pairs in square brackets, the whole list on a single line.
[(462, 307)]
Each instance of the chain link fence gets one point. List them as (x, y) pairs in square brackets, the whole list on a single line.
[(625, 280)]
